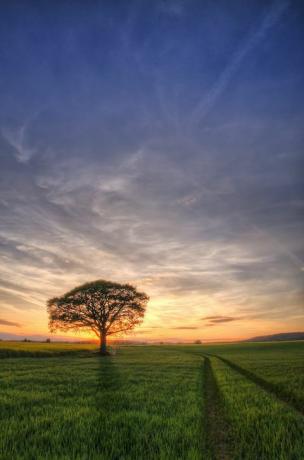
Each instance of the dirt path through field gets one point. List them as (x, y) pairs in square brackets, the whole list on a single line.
[(271, 388), (216, 425)]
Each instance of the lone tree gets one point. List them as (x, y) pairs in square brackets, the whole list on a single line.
[(104, 307)]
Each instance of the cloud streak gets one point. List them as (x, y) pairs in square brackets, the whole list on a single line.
[(218, 319), (4, 322), (270, 19)]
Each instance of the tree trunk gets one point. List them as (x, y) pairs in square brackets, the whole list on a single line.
[(103, 344)]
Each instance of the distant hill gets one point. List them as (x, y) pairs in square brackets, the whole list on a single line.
[(278, 337)]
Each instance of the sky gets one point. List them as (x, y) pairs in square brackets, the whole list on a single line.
[(156, 143)]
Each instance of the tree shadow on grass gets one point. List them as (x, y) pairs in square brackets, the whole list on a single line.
[(109, 402), (110, 397), (109, 378)]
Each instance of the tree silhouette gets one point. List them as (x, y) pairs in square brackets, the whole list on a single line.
[(104, 307)]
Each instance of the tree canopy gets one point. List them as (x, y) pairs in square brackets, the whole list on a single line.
[(101, 306)]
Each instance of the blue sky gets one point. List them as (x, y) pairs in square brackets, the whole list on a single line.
[(159, 143)]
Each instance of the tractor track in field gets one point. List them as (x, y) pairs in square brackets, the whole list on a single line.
[(217, 428), (215, 425), (271, 388)]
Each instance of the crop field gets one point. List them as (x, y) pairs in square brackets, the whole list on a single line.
[(232, 401)]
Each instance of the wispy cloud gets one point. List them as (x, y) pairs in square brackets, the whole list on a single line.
[(218, 319), (134, 236), (173, 8), (269, 20), (18, 138), (4, 322), (215, 317)]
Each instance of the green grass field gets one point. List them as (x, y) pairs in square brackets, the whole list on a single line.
[(234, 401)]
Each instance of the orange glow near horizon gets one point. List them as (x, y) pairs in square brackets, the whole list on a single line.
[(175, 166), (156, 327)]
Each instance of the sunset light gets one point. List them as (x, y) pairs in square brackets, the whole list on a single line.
[(153, 156), (151, 230)]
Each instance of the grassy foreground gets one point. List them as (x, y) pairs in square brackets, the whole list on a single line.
[(141, 403), (152, 402)]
